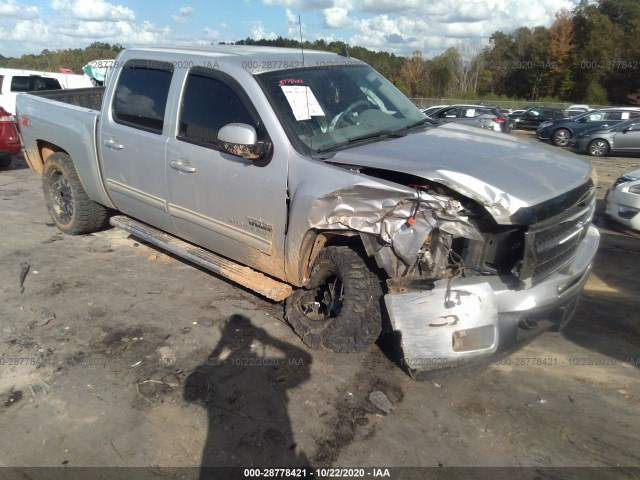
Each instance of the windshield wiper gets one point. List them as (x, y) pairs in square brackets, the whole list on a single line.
[(422, 121), (349, 141)]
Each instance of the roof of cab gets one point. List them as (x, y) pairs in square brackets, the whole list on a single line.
[(255, 59)]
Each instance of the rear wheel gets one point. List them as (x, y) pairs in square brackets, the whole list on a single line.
[(561, 137), (70, 207), (598, 148), (341, 310)]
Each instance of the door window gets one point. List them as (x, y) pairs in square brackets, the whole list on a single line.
[(208, 104), (141, 94)]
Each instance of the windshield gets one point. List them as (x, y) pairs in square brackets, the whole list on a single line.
[(325, 108)]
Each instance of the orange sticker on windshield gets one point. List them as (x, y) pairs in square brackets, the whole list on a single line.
[(290, 81)]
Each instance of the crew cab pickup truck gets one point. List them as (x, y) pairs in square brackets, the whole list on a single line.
[(309, 178)]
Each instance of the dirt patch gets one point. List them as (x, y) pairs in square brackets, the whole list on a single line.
[(127, 360), (12, 398), (355, 416)]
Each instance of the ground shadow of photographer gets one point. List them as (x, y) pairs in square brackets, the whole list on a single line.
[(243, 385)]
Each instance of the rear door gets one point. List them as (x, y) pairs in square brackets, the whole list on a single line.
[(133, 139), (228, 204)]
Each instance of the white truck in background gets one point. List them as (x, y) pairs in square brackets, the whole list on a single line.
[(14, 81)]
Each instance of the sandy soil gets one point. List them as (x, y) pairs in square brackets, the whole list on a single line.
[(117, 354)]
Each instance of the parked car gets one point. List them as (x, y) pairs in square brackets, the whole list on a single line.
[(623, 200), (580, 108), (532, 117), (573, 113), (428, 111), (623, 138), (327, 188), (561, 131), (484, 116), (9, 139)]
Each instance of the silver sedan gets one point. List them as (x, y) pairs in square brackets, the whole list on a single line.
[(622, 138)]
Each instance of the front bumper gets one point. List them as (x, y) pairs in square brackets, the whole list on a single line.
[(543, 134), (473, 318), (578, 144)]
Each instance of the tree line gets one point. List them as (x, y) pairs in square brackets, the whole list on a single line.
[(72, 58), (589, 54)]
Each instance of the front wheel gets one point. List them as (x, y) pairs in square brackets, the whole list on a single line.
[(561, 137), (70, 207), (341, 310), (598, 148)]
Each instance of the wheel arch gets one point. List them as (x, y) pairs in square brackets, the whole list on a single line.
[(91, 176), (315, 240), (45, 150)]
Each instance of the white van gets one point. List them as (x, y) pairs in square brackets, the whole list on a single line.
[(14, 81)]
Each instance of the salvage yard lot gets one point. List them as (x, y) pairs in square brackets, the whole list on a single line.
[(117, 354)]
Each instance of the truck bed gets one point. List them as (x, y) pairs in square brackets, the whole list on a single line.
[(81, 97), (64, 121)]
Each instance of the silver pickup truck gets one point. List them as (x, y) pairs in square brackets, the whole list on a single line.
[(308, 177)]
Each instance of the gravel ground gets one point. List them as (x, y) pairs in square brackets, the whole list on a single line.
[(119, 355)]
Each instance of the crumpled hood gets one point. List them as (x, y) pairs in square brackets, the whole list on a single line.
[(501, 171)]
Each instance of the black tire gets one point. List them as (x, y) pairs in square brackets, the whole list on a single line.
[(70, 207), (561, 137), (598, 147), (5, 161), (346, 322)]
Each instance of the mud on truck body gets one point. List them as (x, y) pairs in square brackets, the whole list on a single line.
[(309, 178)]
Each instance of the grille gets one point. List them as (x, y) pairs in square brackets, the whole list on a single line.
[(548, 249)]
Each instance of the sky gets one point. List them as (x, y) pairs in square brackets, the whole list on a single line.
[(395, 26)]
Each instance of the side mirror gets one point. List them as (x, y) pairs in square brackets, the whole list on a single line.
[(241, 140)]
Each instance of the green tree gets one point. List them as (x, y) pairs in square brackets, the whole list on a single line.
[(595, 94), (441, 80)]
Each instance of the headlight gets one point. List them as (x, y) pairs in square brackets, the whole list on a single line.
[(635, 189), (545, 124), (623, 179), (594, 176)]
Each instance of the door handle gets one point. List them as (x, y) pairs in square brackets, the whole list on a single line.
[(113, 144), (182, 166)]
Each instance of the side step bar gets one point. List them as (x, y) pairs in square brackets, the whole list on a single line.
[(245, 276)]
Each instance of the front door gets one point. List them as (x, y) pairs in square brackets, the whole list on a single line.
[(230, 205), (628, 139)]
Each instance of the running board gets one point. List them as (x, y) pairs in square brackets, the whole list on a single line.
[(245, 276)]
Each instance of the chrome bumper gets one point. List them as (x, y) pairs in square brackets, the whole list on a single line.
[(470, 319)]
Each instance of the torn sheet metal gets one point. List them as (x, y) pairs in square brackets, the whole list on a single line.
[(384, 212), (500, 204), (445, 326)]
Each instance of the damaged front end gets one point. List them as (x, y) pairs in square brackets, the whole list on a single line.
[(421, 239), (459, 285)]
